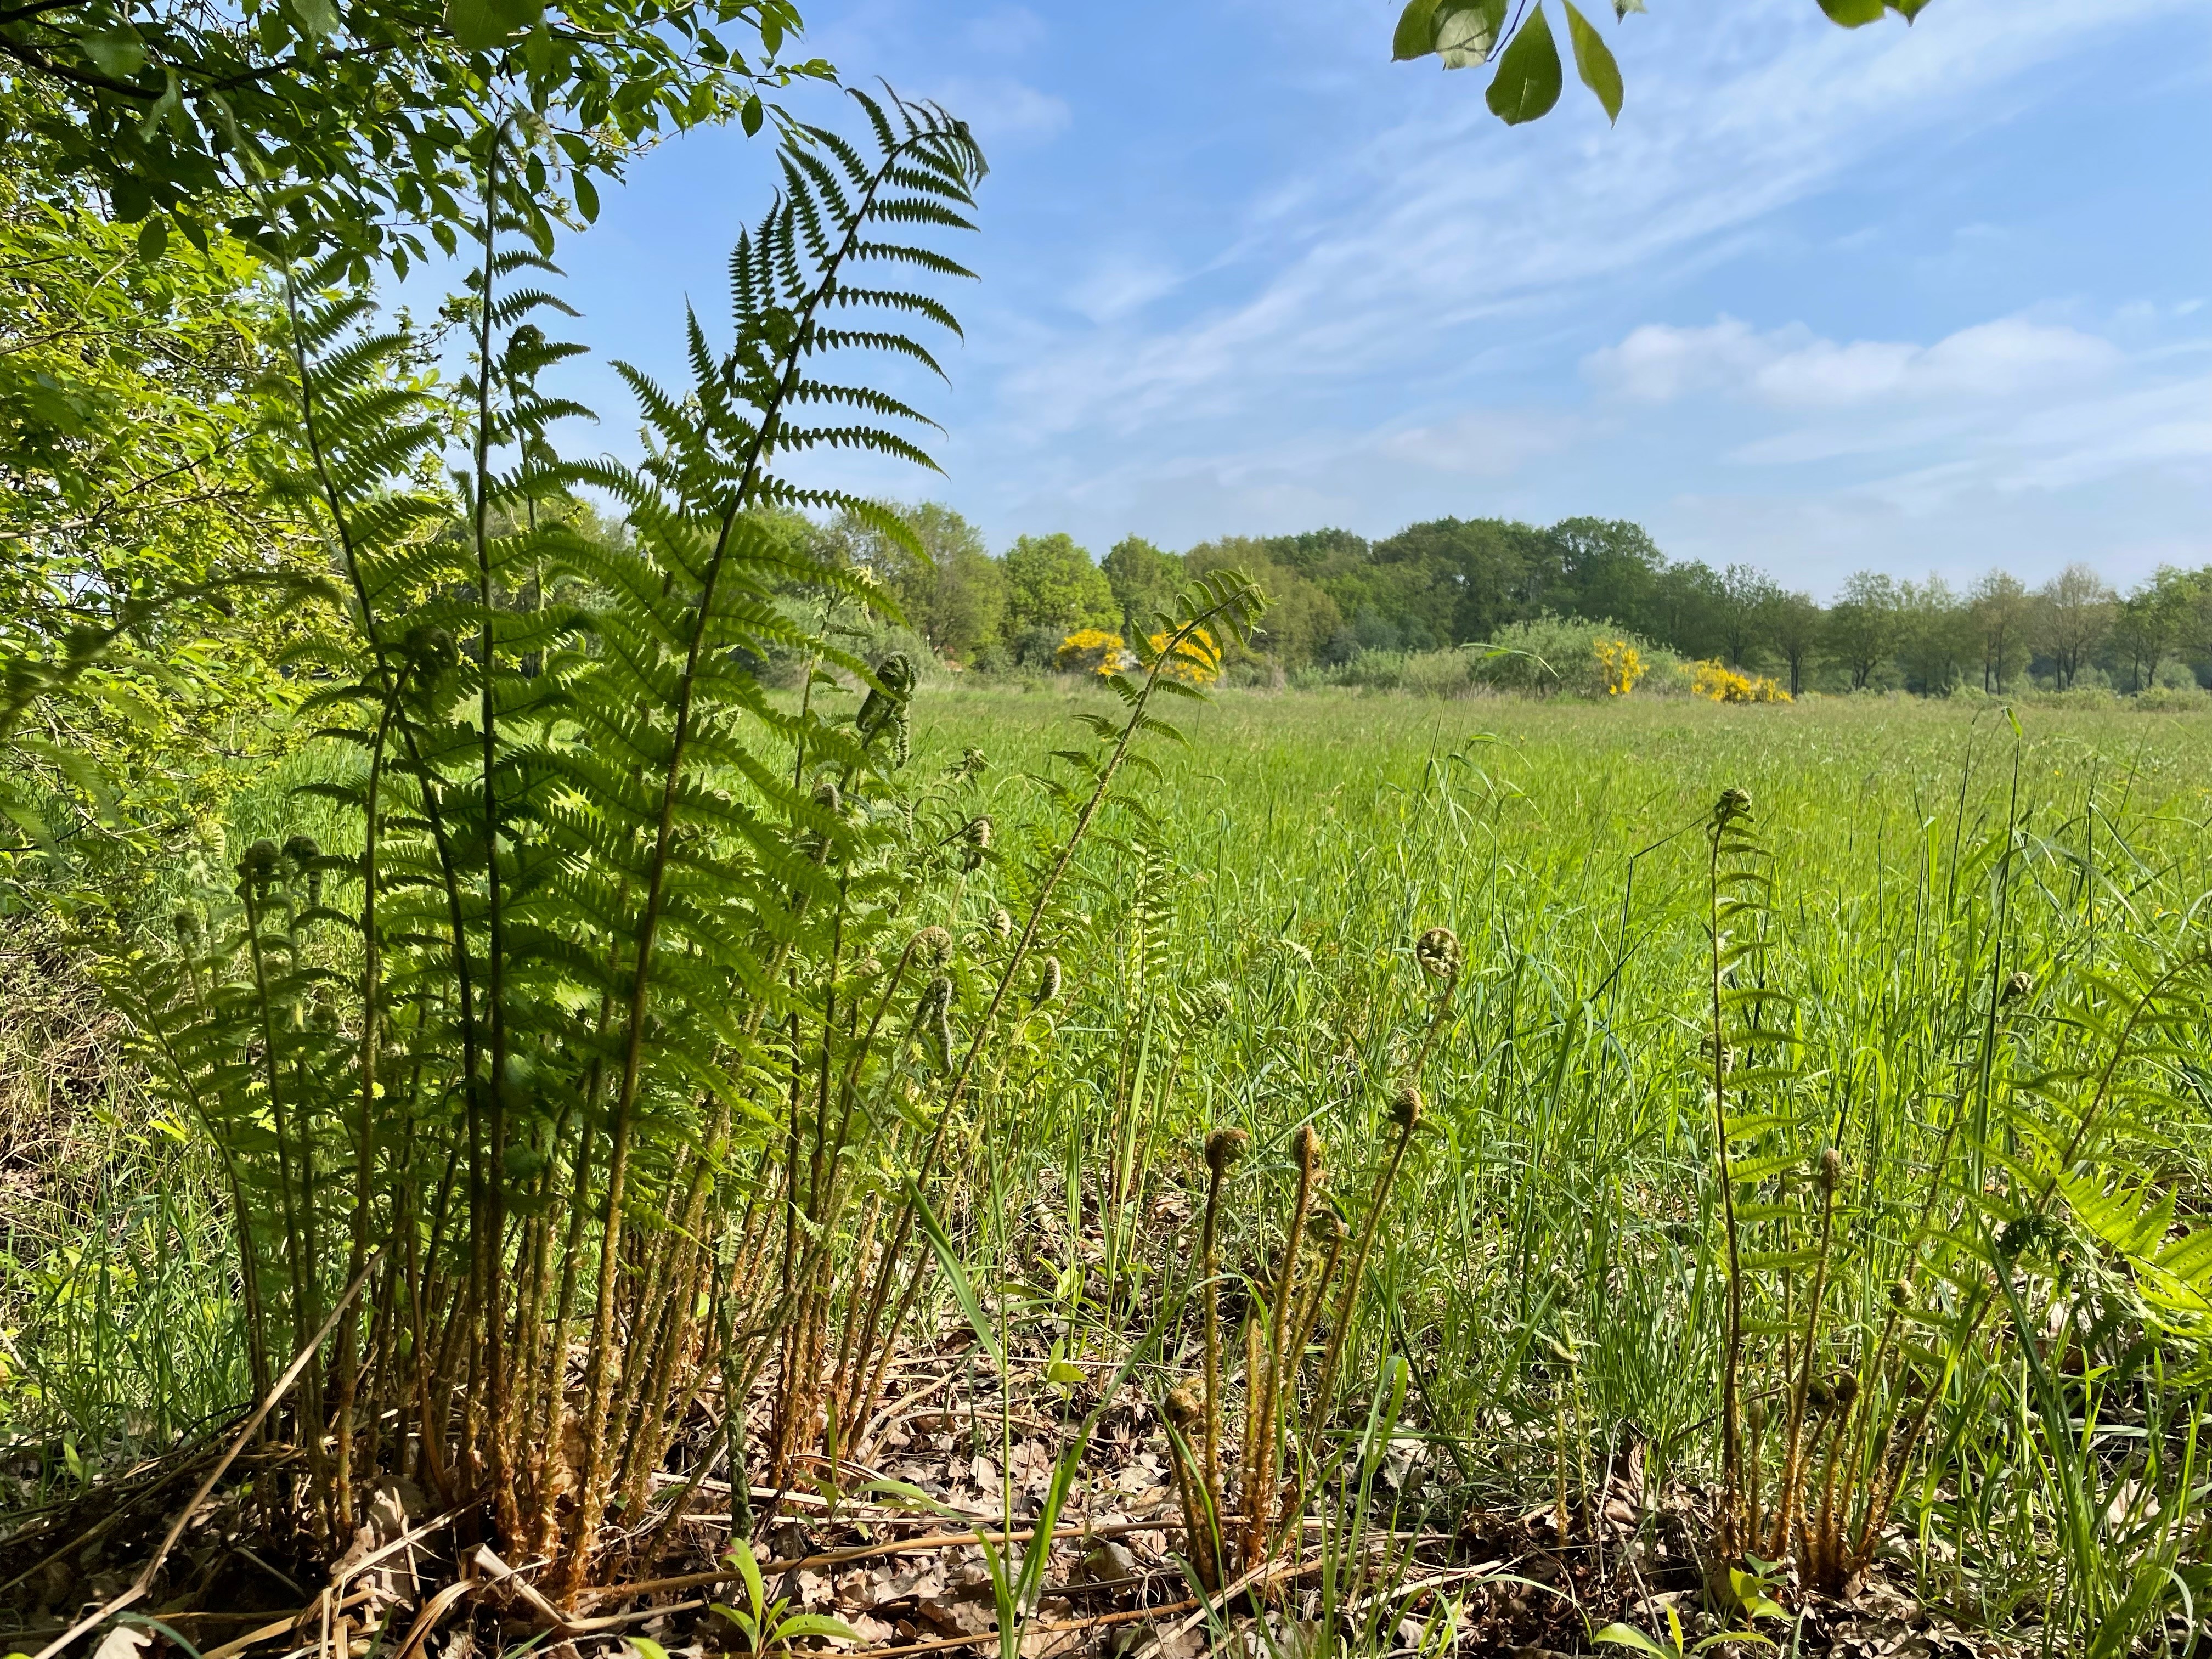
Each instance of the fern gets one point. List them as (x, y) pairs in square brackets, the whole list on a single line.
[(527, 1054)]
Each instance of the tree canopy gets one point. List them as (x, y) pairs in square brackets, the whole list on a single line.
[(1336, 597), (363, 126)]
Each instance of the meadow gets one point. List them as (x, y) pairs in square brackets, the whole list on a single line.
[(561, 1088), (1951, 919)]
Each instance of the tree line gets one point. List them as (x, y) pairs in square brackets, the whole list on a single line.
[(1442, 582)]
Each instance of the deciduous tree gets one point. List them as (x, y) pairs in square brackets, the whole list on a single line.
[(1053, 583), (946, 584), (1863, 626), (1144, 579), (1999, 606), (1748, 598), (1793, 625), (2072, 613), (2153, 622)]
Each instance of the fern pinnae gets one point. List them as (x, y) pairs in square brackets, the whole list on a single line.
[(735, 480), (307, 331)]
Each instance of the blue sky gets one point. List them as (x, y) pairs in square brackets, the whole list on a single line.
[(1920, 300)]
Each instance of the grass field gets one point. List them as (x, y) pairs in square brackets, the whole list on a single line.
[(1957, 914), (1549, 1264)]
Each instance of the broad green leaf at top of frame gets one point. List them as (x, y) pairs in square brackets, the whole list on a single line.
[(480, 25), (115, 53), (1528, 76), (1854, 14), (1460, 31), (1416, 33), (318, 19), (1594, 61)]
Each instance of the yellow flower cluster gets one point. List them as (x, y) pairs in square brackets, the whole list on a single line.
[(1723, 684), (1196, 661), (1091, 650), (1622, 665)]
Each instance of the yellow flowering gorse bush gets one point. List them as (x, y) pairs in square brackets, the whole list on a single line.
[(1622, 665), (1724, 684), (1091, 650), (1196, 660)]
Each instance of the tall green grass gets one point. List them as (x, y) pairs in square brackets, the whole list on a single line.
[(1551, 1268)]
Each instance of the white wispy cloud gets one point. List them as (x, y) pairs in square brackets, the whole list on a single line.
[(1483, 443), (1121, 283), (1448, 233), (1003, 110), (1790, 367), (2009, 405)]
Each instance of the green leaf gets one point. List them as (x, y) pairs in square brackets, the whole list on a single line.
[(1063, 1373), (1854, 14), (1627, 1636), (115, 53), (814, 1623), (2189, 1257), (956, 1274), (1594, 62), (587, 197), (743, 1621), (1908, 9), (1416, 33), (480, 25), (1622, 8), (1751, 1595), (1467, 31), (648, 1647), (741, 1557), (169, 107), (752, 116), (318, 19), (153, 238), (2134, 1221), (1528, 77)]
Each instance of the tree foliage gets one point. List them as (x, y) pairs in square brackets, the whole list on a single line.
[(359, 126), (1054, 584), (1516, 36), (140, 401)]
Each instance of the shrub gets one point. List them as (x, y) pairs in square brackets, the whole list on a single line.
[(1372, 670), (1438, 673), (2172, 700), (1196, 661), (1090, 651), (1721, 683), (1622, 665), (1035, 646), (1551, 653)]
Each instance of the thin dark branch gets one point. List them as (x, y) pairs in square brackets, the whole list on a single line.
[(32, 57)]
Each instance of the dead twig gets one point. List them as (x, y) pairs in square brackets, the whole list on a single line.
[(434, 1611), (1042, 1627), (942, 1540), (288, 1623)]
